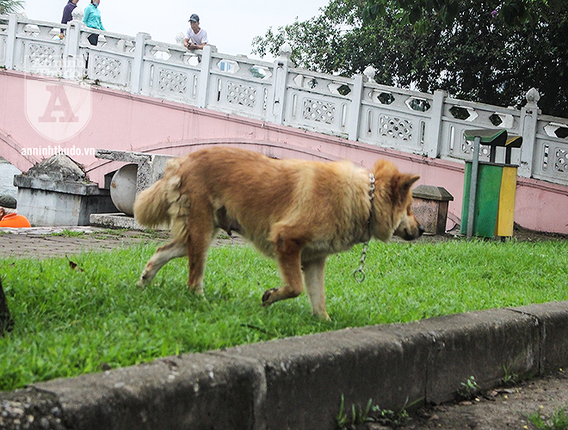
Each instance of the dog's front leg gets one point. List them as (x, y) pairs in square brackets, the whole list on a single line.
[(162, 255), (288, 257), (314, 272)]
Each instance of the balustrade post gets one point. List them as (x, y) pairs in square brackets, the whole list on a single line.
[(355, 111), (73, 66), (432, 137), (529, 120), (204, 77), (138, 62), (11, 42), (281, 66)]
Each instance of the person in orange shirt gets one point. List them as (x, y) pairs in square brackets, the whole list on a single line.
[(8, 215)]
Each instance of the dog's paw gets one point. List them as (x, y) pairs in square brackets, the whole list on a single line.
[(142, 282), (322, 316), (266, 297)]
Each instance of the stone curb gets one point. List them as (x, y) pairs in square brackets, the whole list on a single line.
[(298, 383)]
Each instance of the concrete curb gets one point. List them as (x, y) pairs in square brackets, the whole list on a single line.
[(297, 383)]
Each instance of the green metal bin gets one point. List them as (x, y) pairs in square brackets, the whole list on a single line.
[(489, 187)]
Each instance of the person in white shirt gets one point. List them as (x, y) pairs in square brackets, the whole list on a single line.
[(195, 37)]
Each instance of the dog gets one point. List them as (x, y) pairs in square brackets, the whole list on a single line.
[(296, 211)]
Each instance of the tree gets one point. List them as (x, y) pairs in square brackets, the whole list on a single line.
[(478, 56), (419, 12), (9, 6)]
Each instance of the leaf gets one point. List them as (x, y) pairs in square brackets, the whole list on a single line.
[(74, 266)]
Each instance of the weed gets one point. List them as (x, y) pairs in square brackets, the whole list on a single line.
[(68, 233), (557, 421), (469, 389), (390, 418), (371, 414), (358, 415), (509, 378), (342, 417)]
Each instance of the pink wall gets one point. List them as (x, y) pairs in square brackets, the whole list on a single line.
[(120, 121)]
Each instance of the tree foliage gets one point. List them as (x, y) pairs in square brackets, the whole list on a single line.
[(478, 55), (420, 12), (9, 6)]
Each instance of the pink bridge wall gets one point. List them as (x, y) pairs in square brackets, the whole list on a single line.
[(120, 121)]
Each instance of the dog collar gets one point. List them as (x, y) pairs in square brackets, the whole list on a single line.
[(371, 186), (371, 197)]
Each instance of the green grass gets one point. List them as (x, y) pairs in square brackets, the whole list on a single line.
[(69, 233), (73, 321), (558, 420)]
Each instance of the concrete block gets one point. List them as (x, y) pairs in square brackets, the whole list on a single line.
[(195, 391), (151, 167), (306, 376), (57, 192), (553, 322), (479, 344), (430, 205), (59, 203), (115, 221)]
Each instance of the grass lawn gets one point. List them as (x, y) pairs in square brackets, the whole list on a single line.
[(73, 321)]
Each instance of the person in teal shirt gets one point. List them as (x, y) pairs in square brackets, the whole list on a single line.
[(92, 19)]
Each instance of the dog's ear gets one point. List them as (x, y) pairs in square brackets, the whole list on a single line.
[(383, 165), (406, 182)]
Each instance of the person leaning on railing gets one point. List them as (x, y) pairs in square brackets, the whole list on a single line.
[(195, 36), (67, 15), (8, 215), (92, 19)]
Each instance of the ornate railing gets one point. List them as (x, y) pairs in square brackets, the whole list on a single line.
[(356, 108)]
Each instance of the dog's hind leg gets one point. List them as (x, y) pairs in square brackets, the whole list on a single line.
[(197, 247), (314, 272), (161, 256)]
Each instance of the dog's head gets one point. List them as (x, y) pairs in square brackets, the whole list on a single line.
[(393, 203)]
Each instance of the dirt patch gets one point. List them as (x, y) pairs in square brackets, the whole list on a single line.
[(507, 407), (47, 242), (502, 408)]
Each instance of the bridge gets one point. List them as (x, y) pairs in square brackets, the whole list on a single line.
[(136, 94)]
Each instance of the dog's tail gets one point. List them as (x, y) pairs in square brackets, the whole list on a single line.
[(151, 208)]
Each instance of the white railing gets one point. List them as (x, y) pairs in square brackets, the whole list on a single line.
[(356, 108)]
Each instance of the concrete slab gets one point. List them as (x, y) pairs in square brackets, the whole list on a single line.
[(484, 345), (307, 376), (552, 320), (188, 392)]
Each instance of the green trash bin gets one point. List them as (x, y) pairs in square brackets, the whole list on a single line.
[(489, 187)]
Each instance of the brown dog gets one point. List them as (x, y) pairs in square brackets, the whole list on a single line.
[(295, 211)]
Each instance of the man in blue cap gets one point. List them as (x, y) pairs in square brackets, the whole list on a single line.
[(195, 37)]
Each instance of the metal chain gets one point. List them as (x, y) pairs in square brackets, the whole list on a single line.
[(359, 274)]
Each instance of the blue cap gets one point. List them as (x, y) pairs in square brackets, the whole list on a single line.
[(194, 17)]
